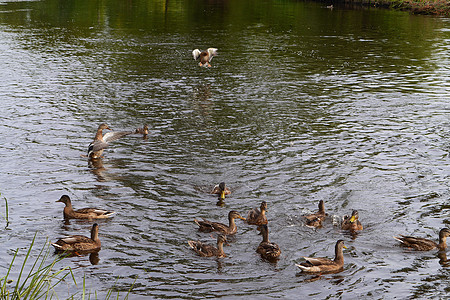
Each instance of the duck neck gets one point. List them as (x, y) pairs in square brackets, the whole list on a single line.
[(94, 234), (99, 135), (263, 212), (339, 255), (220, 252), (232, 224), (265, 234), (442, 242), (321, 208), (68, 207)]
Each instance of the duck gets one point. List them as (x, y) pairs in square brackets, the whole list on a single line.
[(422, 244), (206, 250), (351, 222), (79, 243), (83, 213), (143, 130), (221, 189), (205, 56), (267, 249), (208, 226), (323, 264), (258, 216), (100, 142), (316, 219)]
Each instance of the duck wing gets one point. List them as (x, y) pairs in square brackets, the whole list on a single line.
[(94, 211), (252, 216), (268, 250), (96, 146), (202, 249), (416, 242), (114, 135), (319, 261)]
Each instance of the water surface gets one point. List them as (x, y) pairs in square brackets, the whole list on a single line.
[(303, 103)]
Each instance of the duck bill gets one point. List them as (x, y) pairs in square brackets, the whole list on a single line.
[(222, 195), (352, 219)]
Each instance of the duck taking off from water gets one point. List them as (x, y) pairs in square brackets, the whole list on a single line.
[(80, 243), (205, 56), (83, 213), (422, 244), (100, 142), (323, 264)]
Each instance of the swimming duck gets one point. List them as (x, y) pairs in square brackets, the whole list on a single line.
[(267, 249), (422, 244), (83, 213), (206, 250), (100, 142), (352, 222), (221, 189), (205, 56), (258, 216), (143, 130), (79, 243), (316, 219), (323, 264), (208, 226)]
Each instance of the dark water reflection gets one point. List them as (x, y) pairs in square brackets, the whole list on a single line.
[(303, 103)]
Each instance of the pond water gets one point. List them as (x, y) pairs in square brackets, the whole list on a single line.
[(303, 103)]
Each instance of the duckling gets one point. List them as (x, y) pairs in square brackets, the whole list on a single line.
[(267, 249), (100, 142), (79, 243), (323, 264), (258, 216), (422, 244), (316, 219), (143, 130), (221, 189), (208, 226), (83, 213), (352, 223), (205, 56), (206, 250)]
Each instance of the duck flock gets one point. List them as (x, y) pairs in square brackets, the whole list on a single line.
[(79, 245)]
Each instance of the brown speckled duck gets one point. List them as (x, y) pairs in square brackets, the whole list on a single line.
[(83, 213), (267, 249), (351, 222), (79, 243), (323, 264), (316, 219), (205, 56), (258, 216), (100, 142), (422, 244), (206, 250), (208, 226), (221, 189)]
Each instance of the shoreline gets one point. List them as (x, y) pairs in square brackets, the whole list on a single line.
[(419, 7)]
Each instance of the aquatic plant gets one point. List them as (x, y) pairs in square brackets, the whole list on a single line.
[(40, 280), (6, 216)]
